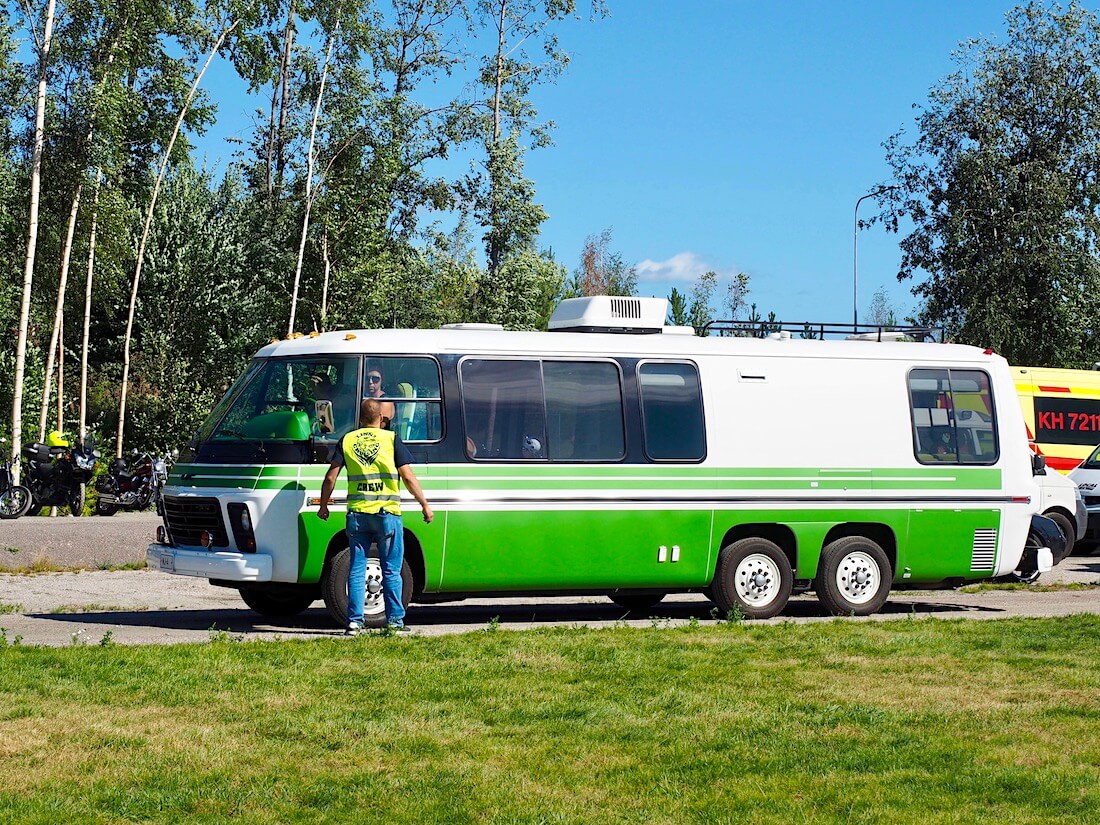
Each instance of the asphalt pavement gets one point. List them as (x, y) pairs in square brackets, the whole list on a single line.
[(64, 542), (148, 607)]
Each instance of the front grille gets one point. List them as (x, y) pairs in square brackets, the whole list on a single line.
[(984, 551), (188, 517), (1091, 501)]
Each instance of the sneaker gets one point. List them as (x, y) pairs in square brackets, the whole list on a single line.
[(399, 628), (353, 629)]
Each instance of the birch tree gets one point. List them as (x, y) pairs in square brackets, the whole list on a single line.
[(43, 45), (124, 386), (310, 194)]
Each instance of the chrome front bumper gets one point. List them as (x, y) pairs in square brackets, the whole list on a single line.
[(209, 564)]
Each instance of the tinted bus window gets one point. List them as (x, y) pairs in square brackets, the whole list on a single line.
[(952, 416), (503, 409), (584, 411), (672, 412)]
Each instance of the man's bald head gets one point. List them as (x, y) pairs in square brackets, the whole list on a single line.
[(370, 412)]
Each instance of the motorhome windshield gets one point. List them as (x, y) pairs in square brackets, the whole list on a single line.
[(283, 409)]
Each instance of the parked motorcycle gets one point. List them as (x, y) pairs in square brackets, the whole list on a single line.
[(15, 499), (57, 473), (133, 485)]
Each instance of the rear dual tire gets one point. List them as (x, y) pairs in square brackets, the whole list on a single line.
[(853, 577)]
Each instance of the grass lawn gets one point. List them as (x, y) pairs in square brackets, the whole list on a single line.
[(907, 721)]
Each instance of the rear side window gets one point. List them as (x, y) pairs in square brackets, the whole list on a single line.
[(584, 411), (672, 411), (542, 410), (953, 420)]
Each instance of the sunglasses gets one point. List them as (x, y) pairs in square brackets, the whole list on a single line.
[(374, 379)]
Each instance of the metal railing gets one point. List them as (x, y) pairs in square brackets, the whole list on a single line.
[(760, 328)]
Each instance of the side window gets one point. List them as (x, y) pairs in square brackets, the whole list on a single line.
[(672, 411), (584, 411), (502, 405), (412, 386), (952, 416)]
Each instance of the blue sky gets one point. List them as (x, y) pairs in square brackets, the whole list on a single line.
[(735, 136)]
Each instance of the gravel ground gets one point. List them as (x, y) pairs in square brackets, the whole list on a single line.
[(144, 607), (64, 542)]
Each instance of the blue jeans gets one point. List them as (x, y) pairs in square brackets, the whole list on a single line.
[(387, 532)]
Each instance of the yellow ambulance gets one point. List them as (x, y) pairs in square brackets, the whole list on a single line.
[(1062, 412)]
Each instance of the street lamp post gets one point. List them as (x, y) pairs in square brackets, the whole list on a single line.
[(855, 254)]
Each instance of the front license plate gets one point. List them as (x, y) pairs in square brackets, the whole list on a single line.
[(168, 563)]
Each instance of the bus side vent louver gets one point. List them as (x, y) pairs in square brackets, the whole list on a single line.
[(626, 308), (985, 550)]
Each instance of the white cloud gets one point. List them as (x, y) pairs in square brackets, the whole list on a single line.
[(683, 267)]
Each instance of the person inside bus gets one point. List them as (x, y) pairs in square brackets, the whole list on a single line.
[(374, 379)]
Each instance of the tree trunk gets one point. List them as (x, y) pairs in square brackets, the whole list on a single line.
[(83, 429), (145, 235), (309, 180), (494, 212), (32, 243), (276, 119), (58, 313), (324, 285), (61, 374)]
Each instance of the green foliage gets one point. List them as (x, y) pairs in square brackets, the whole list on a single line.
[(219, 265), (999, 183), (602, 271)]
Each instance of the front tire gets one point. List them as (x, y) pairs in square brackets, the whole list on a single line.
[(334, 589), (76, 499), (853, 577), (754, 578), (15, 501), (278, 602), (1069, 532), (102, 508)]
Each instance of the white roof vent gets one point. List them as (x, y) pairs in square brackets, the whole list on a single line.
[(608, 313)]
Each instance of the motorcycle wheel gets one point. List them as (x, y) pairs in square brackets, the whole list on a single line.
[(143, 499), (102, 508), (15, 502), (76, 499)]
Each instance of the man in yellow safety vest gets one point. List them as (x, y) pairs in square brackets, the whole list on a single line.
[(376, 460)]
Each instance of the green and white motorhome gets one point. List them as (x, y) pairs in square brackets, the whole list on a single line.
[(617, 455)]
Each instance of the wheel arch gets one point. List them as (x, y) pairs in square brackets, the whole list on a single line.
[(880, 534), (780, 534), (414, 555)]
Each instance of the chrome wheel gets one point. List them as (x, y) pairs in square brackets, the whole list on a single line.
[(374, 601), (858, 577), (757, 579)]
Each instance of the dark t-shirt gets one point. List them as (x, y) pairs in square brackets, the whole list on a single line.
[(401, 454)]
